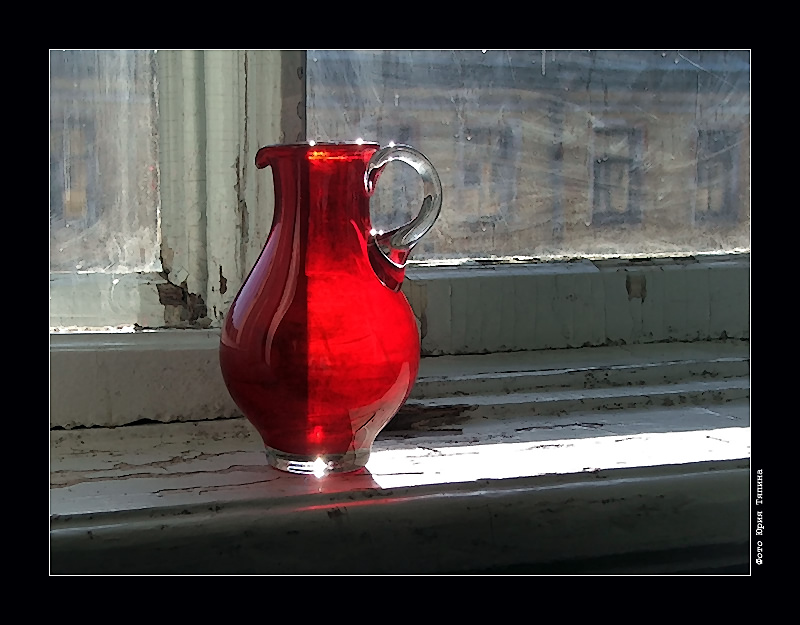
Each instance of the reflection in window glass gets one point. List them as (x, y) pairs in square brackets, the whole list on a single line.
[(103, 161), (717, 176), (554, 153), (616, 169)]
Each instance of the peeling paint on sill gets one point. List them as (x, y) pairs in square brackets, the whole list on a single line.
[(182, 308), (223, 282)]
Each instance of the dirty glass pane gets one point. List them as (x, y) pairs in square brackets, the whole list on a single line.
[(103, 161), (553, 153)]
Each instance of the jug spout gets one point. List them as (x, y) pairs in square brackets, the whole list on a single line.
[(272, 155), (263, 156)]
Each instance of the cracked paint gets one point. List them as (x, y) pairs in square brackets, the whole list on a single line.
[(223, 282), (182, 308)]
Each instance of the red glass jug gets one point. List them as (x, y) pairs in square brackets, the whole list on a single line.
[(320, 347)]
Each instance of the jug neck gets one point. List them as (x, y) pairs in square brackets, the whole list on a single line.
[(274, 155), (322, 203), (323, 183)]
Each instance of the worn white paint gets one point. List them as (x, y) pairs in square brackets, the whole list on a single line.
[(216, 208), (199, 498), (255, 193), (225, 124), (163, 465), (522, 458), (115, 379)]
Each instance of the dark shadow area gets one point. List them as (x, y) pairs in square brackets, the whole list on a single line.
[(729, 559)]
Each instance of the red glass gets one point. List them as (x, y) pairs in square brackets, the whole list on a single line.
[(320, 348)]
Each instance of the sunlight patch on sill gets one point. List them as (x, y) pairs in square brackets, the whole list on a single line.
[(430, 465)]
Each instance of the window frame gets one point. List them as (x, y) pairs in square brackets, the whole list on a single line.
[(214, 107), (216, 213), (174, 375)]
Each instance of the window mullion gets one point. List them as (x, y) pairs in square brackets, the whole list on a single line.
[(225, 98), (183, 150), (217, 108), (275, 112)]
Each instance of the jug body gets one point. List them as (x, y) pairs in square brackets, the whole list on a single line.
[(320, 348)]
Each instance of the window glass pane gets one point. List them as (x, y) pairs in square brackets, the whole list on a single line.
[(103, 161), (553, 153)]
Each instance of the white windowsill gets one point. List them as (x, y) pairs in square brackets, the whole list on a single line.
[(641, 450)]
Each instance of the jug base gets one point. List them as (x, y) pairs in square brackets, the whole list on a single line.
[(317, 464)]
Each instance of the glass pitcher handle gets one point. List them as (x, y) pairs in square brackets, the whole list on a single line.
[(396, 245)]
